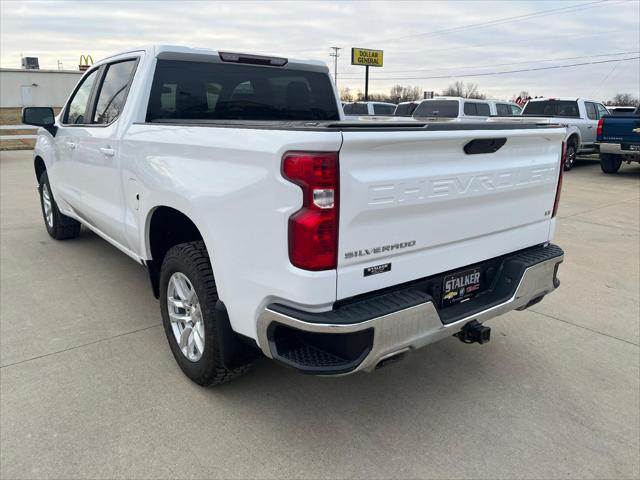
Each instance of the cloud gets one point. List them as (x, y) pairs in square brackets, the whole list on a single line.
[(416, 37)]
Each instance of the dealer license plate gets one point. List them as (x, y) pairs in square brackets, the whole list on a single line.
[(460, 286)]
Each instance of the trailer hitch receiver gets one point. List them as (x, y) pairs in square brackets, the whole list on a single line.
[(474, 332)]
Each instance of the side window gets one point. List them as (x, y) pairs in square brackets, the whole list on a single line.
[(470, 109), (591, 110), (515, 110), (602, 111), (113, 91), (483, 109), (503, 109), (78, 106)]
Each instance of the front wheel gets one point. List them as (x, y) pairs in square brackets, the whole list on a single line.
[(610, 163), (59, 226), (188, 298), (570, 156)]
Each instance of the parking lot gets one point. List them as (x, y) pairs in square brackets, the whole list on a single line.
[(89, 388)]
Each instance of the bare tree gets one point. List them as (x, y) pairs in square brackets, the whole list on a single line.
[(405, 93), (379, 97), (459, 89), (346, 95), (624, 99)]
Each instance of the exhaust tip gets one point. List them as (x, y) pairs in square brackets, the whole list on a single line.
[(392, 358)]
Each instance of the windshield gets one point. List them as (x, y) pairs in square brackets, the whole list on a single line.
[(212, 91), (437, 108), (552, 108)]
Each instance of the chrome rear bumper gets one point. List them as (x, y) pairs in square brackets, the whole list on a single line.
[(416, 326), (616, 149)]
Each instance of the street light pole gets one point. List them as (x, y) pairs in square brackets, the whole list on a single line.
[(335, 54)]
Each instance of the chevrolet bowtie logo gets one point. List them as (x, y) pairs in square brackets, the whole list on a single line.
[(636, 130)]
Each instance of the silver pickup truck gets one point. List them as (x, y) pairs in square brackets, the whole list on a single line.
[(579, 115)]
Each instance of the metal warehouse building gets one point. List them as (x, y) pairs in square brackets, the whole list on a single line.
[(36, 88)]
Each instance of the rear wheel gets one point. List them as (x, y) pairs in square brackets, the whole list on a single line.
[(570, 156), (610, 163), (59, 226), (188, 297)]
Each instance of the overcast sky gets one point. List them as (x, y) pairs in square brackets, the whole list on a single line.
[(419, 39)]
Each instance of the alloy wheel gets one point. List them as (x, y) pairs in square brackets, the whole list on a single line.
[(47, 205), (185, 315)]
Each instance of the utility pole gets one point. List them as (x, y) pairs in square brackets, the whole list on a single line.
[(335, 54)]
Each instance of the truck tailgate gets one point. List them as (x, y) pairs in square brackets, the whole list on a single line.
[(622, 129), (413, 203)]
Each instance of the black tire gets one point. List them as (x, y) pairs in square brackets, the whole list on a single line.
[(610, 163), (192, 260), (59, 226), (570, 156)]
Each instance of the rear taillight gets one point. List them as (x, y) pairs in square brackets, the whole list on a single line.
[(599, 129), (313, 230), (560, 175)]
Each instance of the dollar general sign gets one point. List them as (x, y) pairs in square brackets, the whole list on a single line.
[(366, 57)]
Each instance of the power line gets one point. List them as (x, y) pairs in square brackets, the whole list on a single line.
[(505, 72), (499, 64), (498, 21)]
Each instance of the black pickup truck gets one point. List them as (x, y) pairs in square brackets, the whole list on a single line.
[(619, 139)]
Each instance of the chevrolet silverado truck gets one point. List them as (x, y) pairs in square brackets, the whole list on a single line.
[(270, 226), (580, 116), (619, 139)]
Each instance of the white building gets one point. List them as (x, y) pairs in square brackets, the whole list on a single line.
[(36, 88)]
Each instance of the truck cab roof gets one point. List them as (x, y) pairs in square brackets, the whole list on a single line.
[(181, 52)]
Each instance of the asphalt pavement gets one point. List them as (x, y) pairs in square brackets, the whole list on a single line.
[(89, 388)]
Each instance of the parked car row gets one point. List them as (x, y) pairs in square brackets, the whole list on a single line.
[(447, 108), (582, 117)]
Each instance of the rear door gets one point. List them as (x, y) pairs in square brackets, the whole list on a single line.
[(413, 203)]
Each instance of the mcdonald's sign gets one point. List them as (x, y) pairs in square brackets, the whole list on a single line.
[(84, 62)]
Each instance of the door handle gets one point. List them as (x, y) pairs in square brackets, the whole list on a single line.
[(71, 145), (107, 151), (589, 126)]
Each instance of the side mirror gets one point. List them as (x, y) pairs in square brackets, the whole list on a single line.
[(40, 117)]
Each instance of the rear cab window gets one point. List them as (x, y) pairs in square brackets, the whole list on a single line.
[(552, 108), (186, 90), (592, 113), (356, 109), (438, 108), (382, 109)]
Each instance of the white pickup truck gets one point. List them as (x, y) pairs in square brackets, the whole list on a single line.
[(579, 115), (269, 225)]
